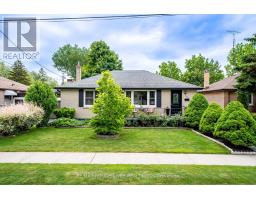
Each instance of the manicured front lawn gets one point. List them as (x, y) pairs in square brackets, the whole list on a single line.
[(124, 174), (130, 140)]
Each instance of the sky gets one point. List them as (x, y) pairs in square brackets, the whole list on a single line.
[(146, 42)]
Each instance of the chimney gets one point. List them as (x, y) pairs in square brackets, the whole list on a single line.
[(206, 79), (78, 72)]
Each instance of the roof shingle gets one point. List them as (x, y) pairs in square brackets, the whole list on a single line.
[(133, 79), (7, 84), (225, 84)]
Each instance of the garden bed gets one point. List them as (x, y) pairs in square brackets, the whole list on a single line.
[(230, 145)]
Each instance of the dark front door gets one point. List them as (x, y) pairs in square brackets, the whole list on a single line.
[(176, 101)]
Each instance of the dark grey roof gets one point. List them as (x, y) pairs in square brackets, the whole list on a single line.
[(133, 79)]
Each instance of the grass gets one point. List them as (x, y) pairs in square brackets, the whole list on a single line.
[(124, 174), (130, 140)]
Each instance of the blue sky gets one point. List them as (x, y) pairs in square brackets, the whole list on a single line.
[(145, 43)]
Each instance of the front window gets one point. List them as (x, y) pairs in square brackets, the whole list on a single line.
[(89, 97), (140, 98), (152, 98)]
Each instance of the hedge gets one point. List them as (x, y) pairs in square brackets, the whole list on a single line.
[(64, 112)]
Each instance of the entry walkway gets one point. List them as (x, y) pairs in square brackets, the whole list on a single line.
[(127, 158)]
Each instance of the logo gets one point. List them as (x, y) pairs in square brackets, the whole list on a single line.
[(20, 38)]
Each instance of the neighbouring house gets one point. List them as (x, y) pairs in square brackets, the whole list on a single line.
[(224, 91), (150, 92), (11, 92)]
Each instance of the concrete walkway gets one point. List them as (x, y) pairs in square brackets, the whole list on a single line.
[(127, 158)]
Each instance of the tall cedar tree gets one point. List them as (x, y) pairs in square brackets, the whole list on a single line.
[(19, 73)]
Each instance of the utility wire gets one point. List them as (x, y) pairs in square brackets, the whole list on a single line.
[(32, 59), (91, 18)]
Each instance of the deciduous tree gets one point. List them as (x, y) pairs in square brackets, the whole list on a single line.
[(170, 69), (196, 66)]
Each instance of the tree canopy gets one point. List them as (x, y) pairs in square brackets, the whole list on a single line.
[(246, 82), (19, 73), (196, 66), (100, 58), (170, 69), (42, 76), (66, 58), (235, 57), (4, 70)]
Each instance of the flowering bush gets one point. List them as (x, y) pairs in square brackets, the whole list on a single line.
[(16, 118)]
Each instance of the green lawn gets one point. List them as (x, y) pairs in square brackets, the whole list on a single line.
[(130, 140), (124, 174)]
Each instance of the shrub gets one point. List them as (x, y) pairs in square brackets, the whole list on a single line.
[(210, 117), (195, 110), (254, 116), (67, 122), (16, 118), (111, 106), (236, 125), (155, 121), (64, 112), (42, 95)]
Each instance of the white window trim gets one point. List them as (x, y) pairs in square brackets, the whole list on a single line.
[(251, 96), (88, 106), (148, 98)]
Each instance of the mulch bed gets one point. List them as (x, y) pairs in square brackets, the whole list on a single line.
[(230, 145)]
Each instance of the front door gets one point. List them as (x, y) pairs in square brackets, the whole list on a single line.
[(176, 102)]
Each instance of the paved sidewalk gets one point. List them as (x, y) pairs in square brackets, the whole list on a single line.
[(126, 158)]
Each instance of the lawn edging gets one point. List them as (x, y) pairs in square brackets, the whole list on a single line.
[(222, 144), (216, 141)]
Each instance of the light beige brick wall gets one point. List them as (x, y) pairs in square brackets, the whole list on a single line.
[(217, 97), (187, 94), (69, 98)]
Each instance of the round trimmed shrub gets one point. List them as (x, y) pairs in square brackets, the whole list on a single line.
[(236, 125), (210, 117), (195, 110)]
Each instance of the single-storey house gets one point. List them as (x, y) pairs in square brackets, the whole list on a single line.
[(224, 91), (11, 92), (149, 91)]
